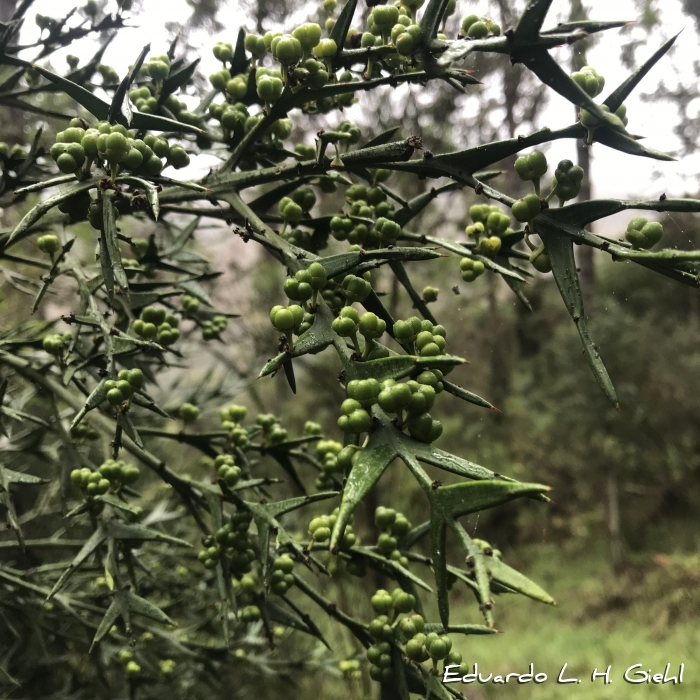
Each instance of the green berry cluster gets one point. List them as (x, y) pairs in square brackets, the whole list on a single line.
[(287, 319), (76, 147), (84, 431), (311, 73), (642, 233), (422, 647), (272, 432), (430, 294), (491, 222), (329, 454), (350, 668), (231, 540), (10, 157), (618, 118), (531, 168), (112, 475), (526, 209), (109, 75), (77, 207), (123, 388), (268, 84), (167, 666), (306, 283), (362, 394), (355, 288), (392, 525), (55, 343), (156, 324), (387, 606), (282, 579), (566, 183), (250, 613), (92, 483), (231, 418), (214, 327), (227, 470), (188, 413), (126, 658), (190, 305), (48, 243), (470, 269), (589, 80), (320, 529), (475, 27), (157, 67), (540, 260)]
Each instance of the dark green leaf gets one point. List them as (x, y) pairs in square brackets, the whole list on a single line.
[(52, 273), (111, 257), (560, 249), (626, 144), (507, 576), (124, 531), (178, 79), (620, 93), (382, 138), (35, 213), (342, 25), (528, 29), (551, 73), (120, 102), (432, 16), (371, 463), (240, 61), (111, 616), (460, 499), (90, 546), (400, 271), (461, 393)]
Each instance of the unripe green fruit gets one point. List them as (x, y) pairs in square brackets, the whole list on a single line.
[(532, 166), (589, 80), (237, 88), (489, 246), (386, 543), (478, 30), (308, 35), (326, 48), (153, 166), (401, 526), (384, 517), (414, 649), (114, 397), (527, 208), (567, 180), (219, 79), (48, 243), (255, 45), (381, 601), (188, 412), (66, 163), (437, 649), (133, 160)]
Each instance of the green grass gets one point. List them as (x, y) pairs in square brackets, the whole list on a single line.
[(647, 615)]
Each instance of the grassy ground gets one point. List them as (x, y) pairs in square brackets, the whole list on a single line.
[(647, 615)]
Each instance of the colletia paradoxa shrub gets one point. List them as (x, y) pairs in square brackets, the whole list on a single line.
[(223, 564)]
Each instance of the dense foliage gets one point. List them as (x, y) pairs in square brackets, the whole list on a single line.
[(177, 578)]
